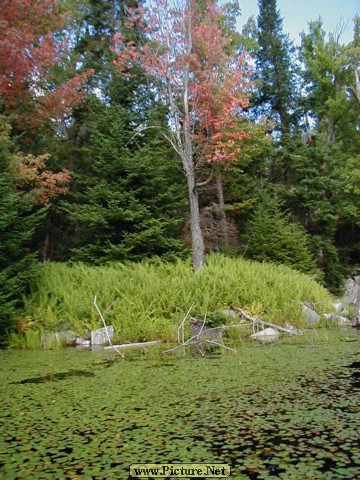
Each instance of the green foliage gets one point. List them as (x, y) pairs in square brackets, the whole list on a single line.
[(270, 235), (274, 68), (17, 225), (148, 300), (131, 203), (128, 199)]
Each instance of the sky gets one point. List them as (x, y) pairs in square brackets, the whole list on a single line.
[(297, 14)]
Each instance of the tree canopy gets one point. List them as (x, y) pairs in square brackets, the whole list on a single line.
[(132, 130)]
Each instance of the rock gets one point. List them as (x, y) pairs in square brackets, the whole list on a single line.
[(337, 318), (311, 316), (51, 339), (83, 342), (339, 307), (99, 337), (351, 290), (266, 335)]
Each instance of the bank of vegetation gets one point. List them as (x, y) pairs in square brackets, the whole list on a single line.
[(147, 301)]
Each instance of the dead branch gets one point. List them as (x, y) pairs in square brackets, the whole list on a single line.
[(207, 181), (202, 336), (220, 345), (106, 330), (202, 327), (134, 345), (257, 321), (182, 324)]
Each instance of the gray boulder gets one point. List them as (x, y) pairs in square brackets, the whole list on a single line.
[(351, 290), (99, 337), (339, 307), (266, 335), (51, 339), (336, 318), (310, 314)]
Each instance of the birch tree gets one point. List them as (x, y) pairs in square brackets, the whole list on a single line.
[(189, 64)]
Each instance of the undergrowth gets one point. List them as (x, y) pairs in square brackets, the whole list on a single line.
[(148, 300)]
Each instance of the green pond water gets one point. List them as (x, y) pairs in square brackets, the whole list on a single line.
[(289, 411)]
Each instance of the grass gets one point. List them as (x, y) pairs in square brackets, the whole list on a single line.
[(148, 300)]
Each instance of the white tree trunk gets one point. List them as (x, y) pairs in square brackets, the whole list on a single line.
[(197, 241), (185, 146)]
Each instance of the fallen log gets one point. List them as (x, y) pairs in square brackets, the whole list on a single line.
[(257, 321), (133, 345)]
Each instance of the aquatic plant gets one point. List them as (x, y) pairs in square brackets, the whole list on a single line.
[(271, 412)]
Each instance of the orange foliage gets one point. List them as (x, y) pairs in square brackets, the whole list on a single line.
[(42, 185), (219, 79), (28, 53)]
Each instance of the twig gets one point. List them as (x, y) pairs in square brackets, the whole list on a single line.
[(108, 308), (221, 345), (181, 327), (106, 329), (202, 327)]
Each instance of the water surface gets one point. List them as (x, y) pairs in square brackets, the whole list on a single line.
[(288, 411)]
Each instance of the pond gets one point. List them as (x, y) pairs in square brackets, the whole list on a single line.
[(288, 411)]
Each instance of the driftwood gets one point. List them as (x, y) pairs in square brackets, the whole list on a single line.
[(134, 345), (257, 321), (203, 337), (106, 330), (198, 341), (117, 348)]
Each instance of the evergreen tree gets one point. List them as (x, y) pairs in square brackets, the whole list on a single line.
[(17, 225), (274, 72), (131, 202), (326, 166), (270, 235)]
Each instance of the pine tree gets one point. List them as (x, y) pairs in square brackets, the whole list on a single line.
[(271, 236), (274, 71), (17, 226), (131, 203)]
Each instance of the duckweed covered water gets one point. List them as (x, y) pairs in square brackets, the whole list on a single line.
[(287, 411)]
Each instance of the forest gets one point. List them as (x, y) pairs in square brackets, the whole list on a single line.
[(134, 130)]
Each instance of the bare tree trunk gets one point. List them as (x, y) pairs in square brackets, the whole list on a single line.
[(356, 320), (187, 155), (223, 222), (197, 241), (45, 247), (356, 90)]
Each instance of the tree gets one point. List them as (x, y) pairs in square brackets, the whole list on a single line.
[(186, 61), (330, 83), (332, 153), (18, 222), (270, 235), (274, 71), (129, 203), (29, 53)]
